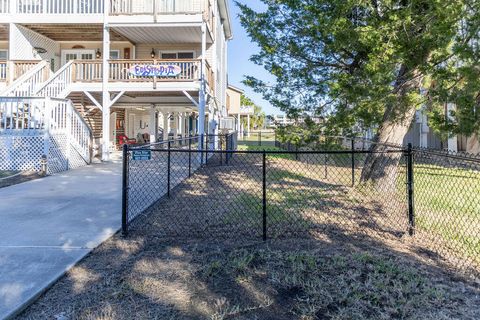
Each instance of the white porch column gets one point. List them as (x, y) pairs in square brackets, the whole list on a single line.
[(239, 125), (105, 92), (248, 125), (201, 94), (175, 124), (187, 123), (181, 124), (194, 125), (152, 124), (12, 39), (452, 141), (165, 126)]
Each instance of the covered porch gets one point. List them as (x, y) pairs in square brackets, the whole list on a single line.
[(139, 117)]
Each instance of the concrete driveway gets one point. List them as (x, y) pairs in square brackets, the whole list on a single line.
[(48, 225)]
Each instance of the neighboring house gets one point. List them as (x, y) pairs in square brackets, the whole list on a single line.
[(236, 111), (283, 120), (107, 69), (421, 135)]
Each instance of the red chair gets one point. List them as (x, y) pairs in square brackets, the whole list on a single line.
[(122, 139)]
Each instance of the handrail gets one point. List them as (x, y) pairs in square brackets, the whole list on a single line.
[(57, 83), (148, 7), (74, 110), (119, 70), (116, 7), (62, 117), (30, 80), (3, 70), (59, 7)]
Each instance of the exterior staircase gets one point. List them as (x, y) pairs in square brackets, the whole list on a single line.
[(36, 120)]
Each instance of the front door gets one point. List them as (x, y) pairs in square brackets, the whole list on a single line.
[(82, 70), (77, 54)]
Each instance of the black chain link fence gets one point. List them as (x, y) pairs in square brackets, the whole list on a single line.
[(202, 187)]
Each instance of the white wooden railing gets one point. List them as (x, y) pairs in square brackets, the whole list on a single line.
[(58, 6), (5, 6), (21, 115), (120, 70), (63, 118), (117, 7), (56, 86), (12, 70), (145, 7), (27, 84), (3, 71), (34, 116)]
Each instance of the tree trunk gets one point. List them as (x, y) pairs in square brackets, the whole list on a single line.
[(381, 168)]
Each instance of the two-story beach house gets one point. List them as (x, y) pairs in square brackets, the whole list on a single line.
[(83, 75)]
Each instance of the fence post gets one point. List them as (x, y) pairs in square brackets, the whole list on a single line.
[(168, 169), (124, 189), (200, 143), (221, 148), (353, 162), (206, 149), (227, 147), (411, 212), (189, 157), (264, 196), (325, 158)]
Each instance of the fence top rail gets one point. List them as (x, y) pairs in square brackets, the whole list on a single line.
[(185, 139), (445, 154), (165, 142), (271, 151)]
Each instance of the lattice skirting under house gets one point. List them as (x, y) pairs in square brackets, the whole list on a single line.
[(24, 153)]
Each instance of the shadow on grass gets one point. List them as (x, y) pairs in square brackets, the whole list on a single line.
[(334, 251)]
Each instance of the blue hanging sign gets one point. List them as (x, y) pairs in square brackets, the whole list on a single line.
[(141, 155), (155, 70)]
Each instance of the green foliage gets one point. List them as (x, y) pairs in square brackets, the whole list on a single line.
[(351, 60), (257, 120)]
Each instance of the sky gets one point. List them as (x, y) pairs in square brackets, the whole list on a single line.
[(240, 48)]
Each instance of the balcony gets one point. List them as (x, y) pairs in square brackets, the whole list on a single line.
[(12, 70), (116, 7), (141, 71)]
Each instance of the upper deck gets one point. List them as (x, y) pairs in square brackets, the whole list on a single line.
[(92, 11)]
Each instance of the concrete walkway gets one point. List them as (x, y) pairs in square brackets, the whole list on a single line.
[(48, 225)]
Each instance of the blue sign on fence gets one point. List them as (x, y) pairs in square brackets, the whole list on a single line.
[(141, 155)]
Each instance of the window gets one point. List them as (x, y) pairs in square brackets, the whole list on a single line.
[(3, 55), (185, 55), (169, 56), (114, 54), (178, 55)]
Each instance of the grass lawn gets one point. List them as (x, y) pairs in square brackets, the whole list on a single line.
[(447, 204)]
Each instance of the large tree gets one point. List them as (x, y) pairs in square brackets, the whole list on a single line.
[(371, 62)]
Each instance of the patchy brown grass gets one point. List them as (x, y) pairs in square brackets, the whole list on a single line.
[(336, 252), (290, 279)]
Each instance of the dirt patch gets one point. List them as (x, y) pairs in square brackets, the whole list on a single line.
[(150, 278), (12, 178)]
